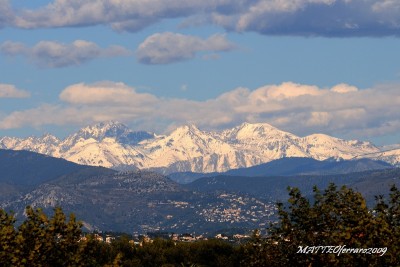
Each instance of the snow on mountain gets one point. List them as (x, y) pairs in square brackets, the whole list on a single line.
[(47, 144), (248, 132), (107, 144), (264, 142), (107, 152), (389, 154), (112, 129), (188, 148), (321, 146), (187, 144)]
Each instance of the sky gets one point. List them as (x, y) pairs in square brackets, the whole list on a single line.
[(303, 66)]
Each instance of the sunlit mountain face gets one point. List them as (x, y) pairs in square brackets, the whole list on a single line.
[(188, 148)]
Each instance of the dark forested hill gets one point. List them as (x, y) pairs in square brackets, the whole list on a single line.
[(24, 168), (292, 166), (296, 166), (369, 183)]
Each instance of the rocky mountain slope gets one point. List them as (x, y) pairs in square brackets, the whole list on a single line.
[(188, 148)]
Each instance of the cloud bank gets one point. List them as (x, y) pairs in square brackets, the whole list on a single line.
[(168, 47), (10, 91), (302, 109), (272, 17), (51, 54)]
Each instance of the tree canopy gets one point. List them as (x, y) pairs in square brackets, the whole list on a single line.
[(335, 217)]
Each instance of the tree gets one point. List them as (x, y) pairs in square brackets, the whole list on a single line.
[(332, 218), (388, 215), (255, 253), (7, 239), (41, 241)]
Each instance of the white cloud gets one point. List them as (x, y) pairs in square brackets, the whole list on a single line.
[(318, 118), (386, 5), (10, 91), (271, 17), (51, 54), (104, 93), (302, 109), (168, 47), (344, 88), (329, 18), (13, 49), (122, 15), (289, 90)]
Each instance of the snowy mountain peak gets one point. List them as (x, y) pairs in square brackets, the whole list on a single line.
[(112, 144), (247, 125), (111, 129), (258, 128), (189, 129), (102, 130), (255, 131), (320, 137), (49, 139)]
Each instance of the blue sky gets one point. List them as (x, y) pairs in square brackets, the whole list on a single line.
[(304, 66)]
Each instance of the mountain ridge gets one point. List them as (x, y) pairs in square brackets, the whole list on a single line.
[(291, 166), (23, 170), (188, 148)]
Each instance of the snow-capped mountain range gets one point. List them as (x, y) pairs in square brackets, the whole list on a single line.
[(188, 148)]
